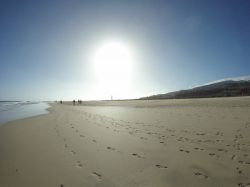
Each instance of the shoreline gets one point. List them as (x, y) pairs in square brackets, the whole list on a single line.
[(21, 111), (192, 143)]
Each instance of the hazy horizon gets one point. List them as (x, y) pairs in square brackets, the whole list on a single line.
[(241, 78), (90, 50)]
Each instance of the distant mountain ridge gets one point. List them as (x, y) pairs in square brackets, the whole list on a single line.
[(242, 78), (231, 87)]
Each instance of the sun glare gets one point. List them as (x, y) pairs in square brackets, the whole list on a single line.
[(113, 66)]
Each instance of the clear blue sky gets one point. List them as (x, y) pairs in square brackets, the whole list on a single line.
[(45, 46)]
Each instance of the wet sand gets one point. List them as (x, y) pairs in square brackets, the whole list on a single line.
[(175, 143)]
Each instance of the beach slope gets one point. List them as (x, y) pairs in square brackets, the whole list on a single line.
[(175, 143)]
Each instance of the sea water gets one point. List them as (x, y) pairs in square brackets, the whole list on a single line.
[(10, 111)]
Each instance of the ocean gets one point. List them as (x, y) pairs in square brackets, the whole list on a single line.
[(10, 111)]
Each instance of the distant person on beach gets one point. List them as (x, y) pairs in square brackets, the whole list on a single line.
[(61, 101), (74, 102)]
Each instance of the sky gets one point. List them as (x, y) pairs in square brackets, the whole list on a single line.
[(48, 48)]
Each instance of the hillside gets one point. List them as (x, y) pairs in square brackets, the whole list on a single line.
[(227, 88)]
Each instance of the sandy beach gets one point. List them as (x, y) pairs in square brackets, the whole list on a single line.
[(162, 143)]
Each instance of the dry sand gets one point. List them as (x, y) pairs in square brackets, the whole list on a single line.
[(171, 143)]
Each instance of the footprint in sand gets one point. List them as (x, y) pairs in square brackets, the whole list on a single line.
[(110, 148), (201, 175), (244, 184), (137, 155), (161, 166), (94, 141), (224, 150), (201, 149), (131, 132), (200, 134), (241, 161), (143, 138), (79, 164), (73, 152), (238, 170), (233, 157), (98, 176), (182, 150), (82, 136), (214, 155)]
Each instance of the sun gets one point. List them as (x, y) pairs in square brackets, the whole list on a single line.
[(113, 66), (113, 62)]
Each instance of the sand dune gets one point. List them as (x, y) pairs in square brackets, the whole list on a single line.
[(175, 143)]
